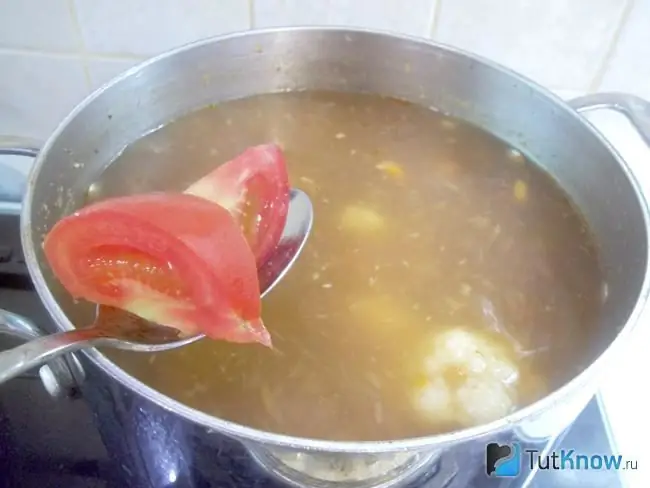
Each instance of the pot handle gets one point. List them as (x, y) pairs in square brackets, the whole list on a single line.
[(19, 146), (636, 109), (57, 376), (12, 181)]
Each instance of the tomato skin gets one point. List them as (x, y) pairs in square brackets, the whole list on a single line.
[(200, 248), (254, 187)]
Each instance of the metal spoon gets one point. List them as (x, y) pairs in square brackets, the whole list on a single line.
[(116, 328)]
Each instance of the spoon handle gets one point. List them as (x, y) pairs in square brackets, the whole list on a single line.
[(39, 351)]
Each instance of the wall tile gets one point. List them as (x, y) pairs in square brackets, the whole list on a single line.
[(379, 14), (568, 94), (103, 70), (146, 27), (412, 17), (558, 43), (629, 67), (37, 91), (38, 24), (273, 13)]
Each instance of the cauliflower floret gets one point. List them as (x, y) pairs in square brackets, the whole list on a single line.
[(435, 400), (475, 353), (470, 379), (483, 400)]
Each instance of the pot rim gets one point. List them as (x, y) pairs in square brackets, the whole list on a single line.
[(244, 433)]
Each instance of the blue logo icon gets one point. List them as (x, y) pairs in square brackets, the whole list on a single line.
[(502, 460)]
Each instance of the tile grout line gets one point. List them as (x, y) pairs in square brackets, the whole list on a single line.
[(251, 14), (435, 18), (611, 49), (70, 54), (83, 54)]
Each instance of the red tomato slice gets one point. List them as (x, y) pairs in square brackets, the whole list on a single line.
[(254, 187), (174, 259)]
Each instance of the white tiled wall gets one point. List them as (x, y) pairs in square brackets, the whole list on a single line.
[(54, 52)]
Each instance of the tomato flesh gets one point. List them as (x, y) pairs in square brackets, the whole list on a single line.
[(174, 259), (188, 260), (107, 265), (254, 187)]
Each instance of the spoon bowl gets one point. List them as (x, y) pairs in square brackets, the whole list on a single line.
[(116, 328)]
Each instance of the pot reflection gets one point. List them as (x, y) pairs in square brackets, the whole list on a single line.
[(324, 470)]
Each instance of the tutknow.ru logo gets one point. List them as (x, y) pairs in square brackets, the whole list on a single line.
[(505, 460)]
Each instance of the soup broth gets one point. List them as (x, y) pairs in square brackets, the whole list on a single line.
[(447, 282)]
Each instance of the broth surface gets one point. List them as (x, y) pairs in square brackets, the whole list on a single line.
[(447, 281)]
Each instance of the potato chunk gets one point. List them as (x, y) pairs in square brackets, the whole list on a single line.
[(382, 314), (358, 218)]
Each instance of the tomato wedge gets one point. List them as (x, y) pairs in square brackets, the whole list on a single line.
[(175, 259), (254, 187)]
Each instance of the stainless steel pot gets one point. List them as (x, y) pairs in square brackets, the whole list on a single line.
[(164, 443)]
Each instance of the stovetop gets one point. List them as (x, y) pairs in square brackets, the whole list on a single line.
[(47, 442)]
